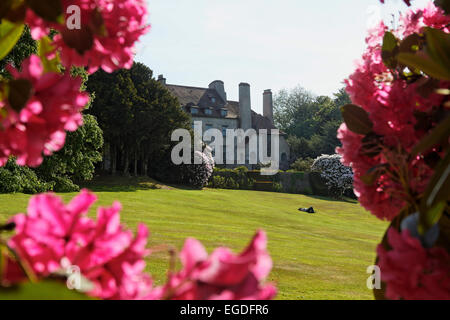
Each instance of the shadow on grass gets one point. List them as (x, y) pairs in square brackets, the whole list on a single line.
[(345, 199), (182, 187), (122, 184)]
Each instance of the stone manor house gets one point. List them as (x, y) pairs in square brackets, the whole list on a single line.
[(211, 107)]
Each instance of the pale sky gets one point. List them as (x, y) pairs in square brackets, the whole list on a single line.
[(270, 44)]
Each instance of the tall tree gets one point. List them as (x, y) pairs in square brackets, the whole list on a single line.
[(137, 118), (310, 121), (76, 161)]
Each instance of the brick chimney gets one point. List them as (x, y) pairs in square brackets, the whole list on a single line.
[(268, 105), (245, 108), (162, 79)]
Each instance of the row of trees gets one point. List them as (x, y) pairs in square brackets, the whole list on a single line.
[(127, 127), (73, 164), (310, 121), (137, 115)]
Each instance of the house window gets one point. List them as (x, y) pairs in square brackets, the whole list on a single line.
[(213, 100), (194, 110), (208, 112), (224, 113)]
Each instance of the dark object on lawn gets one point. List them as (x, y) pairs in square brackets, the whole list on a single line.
[(309, 210), (8, 227)]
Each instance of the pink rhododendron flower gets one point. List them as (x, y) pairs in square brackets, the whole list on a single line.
[(53, 236), (13, 273), (392, 106), (412, 272), (220, 276), (112, 27), (106, 253), (53, 107)]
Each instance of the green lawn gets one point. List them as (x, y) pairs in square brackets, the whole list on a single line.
[(321, 256)]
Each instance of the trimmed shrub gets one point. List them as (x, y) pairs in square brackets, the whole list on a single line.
[(338, 177), (303, 164), (198, 175), (65, 184), (277, 187), (219, 182), (231, 179), (18, 179)]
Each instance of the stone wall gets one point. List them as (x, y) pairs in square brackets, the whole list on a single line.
[(301, 183), (285, 182)]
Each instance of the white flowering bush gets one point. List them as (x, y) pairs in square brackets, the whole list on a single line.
[(197, 175), (338, 177)]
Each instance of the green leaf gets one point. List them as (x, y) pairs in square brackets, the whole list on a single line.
[(356, 119), (389, 50), (438, 47), (44, 49), (425, 64), (436, 136), (44, 290), (9, 35), (437, 193), (16, 12), (5, 5), (49, 10), (20, 91), (432, 217), (411, 43), (374, 173), (3, 90), (2, 262)]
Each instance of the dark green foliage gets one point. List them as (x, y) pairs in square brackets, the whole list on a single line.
[(303, 164), (231, 179), (76, 161), (219, 182), (311, 122), (318, 184), (137, 115), (285, 182), (64, 184), (14, 179), (23, 49)]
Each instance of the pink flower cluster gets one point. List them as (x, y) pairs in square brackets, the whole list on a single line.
[(113, 27), (113, 260), (107, 254), (412, 272), (391, 106), (222, 275), (106, 38), (53, 107)]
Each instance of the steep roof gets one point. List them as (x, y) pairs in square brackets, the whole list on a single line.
[(202, 98), (188, 95), (260, 122)]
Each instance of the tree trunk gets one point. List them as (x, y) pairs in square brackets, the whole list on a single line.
[(113, 160), (136, 164), (126, 166), (145, 165)]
